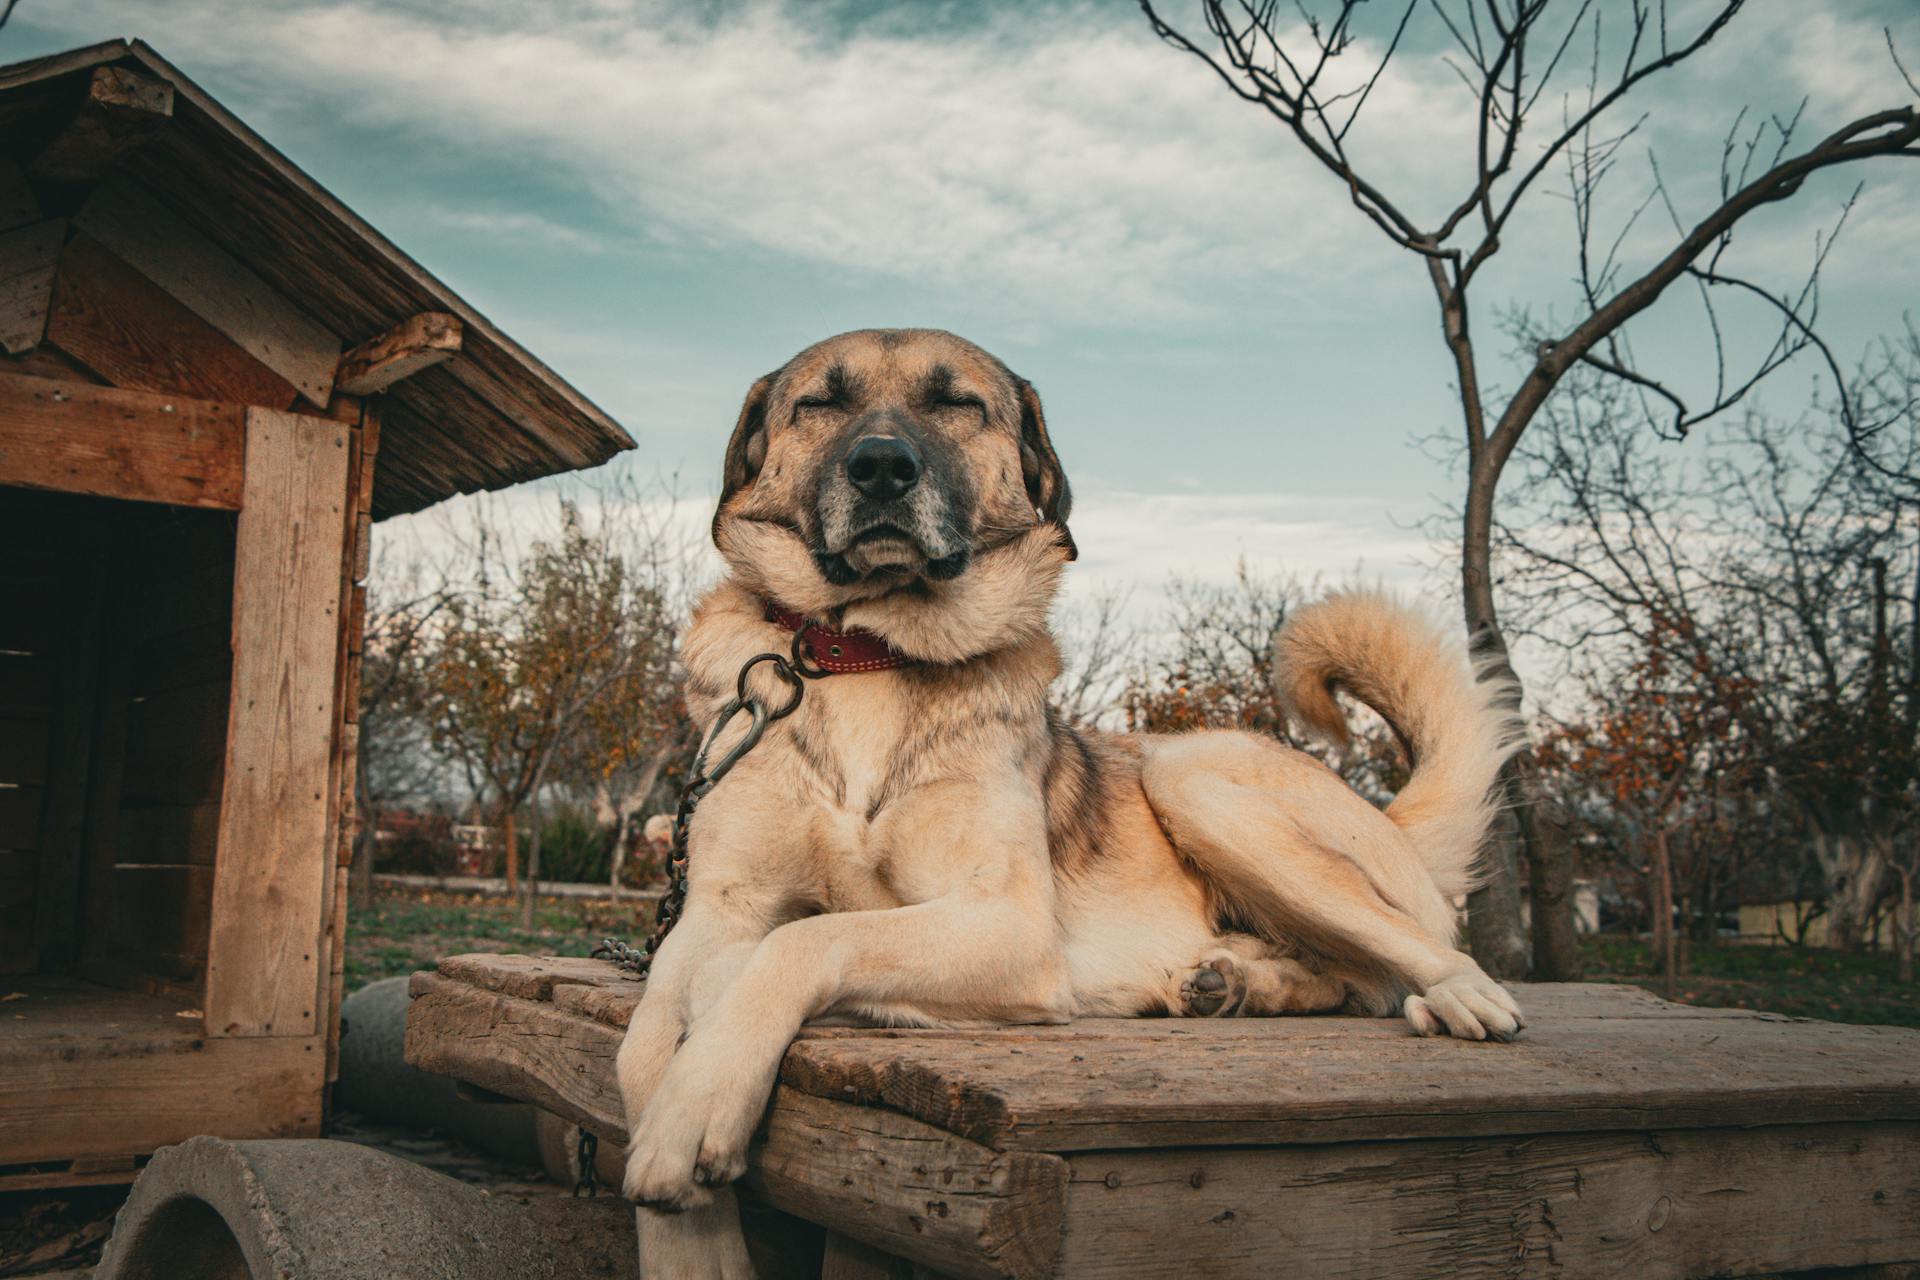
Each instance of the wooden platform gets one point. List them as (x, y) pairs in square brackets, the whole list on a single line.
[(1621, 1136), (93, 1079)]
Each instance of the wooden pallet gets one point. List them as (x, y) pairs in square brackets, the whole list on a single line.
[(1621, 1136)]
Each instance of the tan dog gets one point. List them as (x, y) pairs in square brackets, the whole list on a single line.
[(932, 845)]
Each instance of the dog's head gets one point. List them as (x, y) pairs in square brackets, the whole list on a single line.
[(897, 458)]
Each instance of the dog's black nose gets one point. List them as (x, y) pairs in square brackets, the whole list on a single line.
[(883, 467)]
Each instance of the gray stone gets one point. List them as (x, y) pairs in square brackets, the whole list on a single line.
[(310, 1209)]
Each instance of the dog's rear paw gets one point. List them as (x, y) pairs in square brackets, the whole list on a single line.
[(1214, 989)]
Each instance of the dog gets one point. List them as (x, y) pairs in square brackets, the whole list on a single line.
[(925, 841)]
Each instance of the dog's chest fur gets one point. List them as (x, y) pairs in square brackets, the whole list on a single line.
[(864, 758)]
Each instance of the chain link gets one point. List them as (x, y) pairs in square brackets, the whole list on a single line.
[(588, 1184), (794, 670)]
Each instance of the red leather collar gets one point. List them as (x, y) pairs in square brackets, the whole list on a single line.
[(841, 652)]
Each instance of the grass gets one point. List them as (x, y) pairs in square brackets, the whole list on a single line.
[(1803, 982), (399, 931)]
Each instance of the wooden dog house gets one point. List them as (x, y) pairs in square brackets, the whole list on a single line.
[(215, 378)]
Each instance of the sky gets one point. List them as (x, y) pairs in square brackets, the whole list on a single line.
[(666, 200)]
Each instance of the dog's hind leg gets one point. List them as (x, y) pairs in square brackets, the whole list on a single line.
[(1292, 848), (1242, 976)]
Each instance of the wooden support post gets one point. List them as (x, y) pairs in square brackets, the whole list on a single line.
[(402, 351), (272, 879), (122, 109)]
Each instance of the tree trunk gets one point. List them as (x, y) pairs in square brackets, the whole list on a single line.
[(366, 835), (1854, 869), (1495, 934), (1663, 941), (533, 868), (1556, 933), (621, 830), (1904, 943), (509, 834)]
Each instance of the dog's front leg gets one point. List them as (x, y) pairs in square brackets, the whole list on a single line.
[(987, 949), (703, 953)]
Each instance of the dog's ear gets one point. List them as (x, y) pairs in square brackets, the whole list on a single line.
[(1040, 466), (747, 449)]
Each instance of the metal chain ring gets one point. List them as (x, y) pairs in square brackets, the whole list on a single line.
[(701, 780)]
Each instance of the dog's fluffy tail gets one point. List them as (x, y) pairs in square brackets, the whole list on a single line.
[(1452, 725)]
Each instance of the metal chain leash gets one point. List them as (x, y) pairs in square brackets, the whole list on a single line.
[(701, 779)]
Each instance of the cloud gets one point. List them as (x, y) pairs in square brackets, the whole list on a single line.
[(1062, 156)]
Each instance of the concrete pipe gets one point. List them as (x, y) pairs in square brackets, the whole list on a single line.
[(311, 1209), (376, 1082)]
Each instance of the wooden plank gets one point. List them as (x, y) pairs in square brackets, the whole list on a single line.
[(1660, 1204), (416, 343), (880, 1178), (23, 752), (910, 1190), (1616, 1058), (20, 817), (337, 973), (1324, 1079), (63, 825), (175, 834), (29, 257), (226, 294), (160, 919), (120, 444), (121, 111), (135, 334), (104, 781), (120, 1079), (270, 887), (17, 204), (176, 751)]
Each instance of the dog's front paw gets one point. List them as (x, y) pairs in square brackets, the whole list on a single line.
[(1467, 1006), (660, 1171), (694, 1133)]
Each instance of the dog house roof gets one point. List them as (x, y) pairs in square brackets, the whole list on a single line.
[(490, 416)]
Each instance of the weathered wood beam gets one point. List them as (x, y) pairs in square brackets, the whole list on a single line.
[(213, 284), (274, 869), (879, 1177), (122, 109), (17, 205), (402, 351), (136, 335), (74, 438), (29, 256)]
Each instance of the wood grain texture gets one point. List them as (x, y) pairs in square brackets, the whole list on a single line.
[(29, 260), (884, 1179), (57, 885), (416, 343), (120, 111), (181, 259), (910, 1190), (135, 334), (120, 444), (271, 879), (1595, 1057), (17, 205), (1656, 1205), (85, 1071)]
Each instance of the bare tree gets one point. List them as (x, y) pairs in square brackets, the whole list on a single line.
[(1098, 649), (395, 758), (1510, 54), (1757, 576)]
